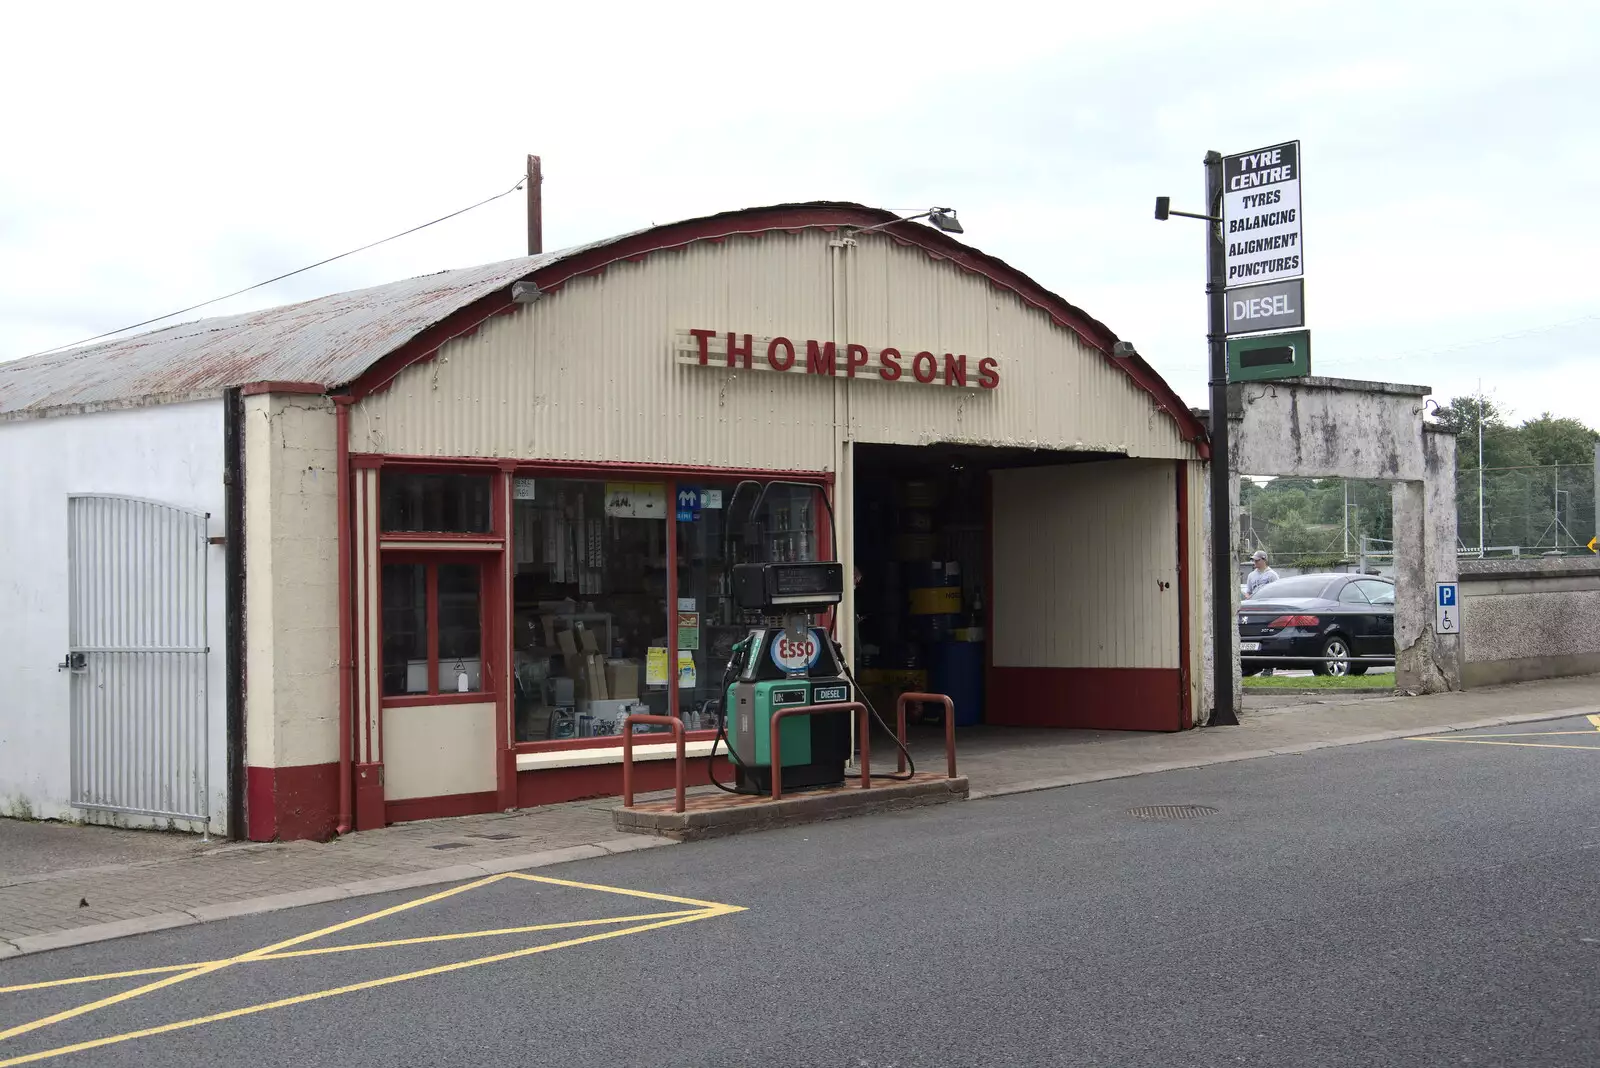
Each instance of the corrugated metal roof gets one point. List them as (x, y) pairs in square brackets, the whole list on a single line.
[(329, 341), (332, 340)]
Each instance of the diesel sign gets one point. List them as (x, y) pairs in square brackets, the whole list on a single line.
[(1274, 306)]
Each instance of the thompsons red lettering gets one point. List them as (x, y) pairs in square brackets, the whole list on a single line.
[(772, 353), (988, 373), (889, 359), (821, 359), (703, 336), (735, 350), (955, 370)]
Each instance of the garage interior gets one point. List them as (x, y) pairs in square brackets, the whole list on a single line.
[(922, 547)]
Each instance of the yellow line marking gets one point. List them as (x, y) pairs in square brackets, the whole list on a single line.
[(1537, 734), (349, 949), (254, 954), (1595, 722), (622, 890), (370, 984), (1524, 745)]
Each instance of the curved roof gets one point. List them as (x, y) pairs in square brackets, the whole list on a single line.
[(361, 338)]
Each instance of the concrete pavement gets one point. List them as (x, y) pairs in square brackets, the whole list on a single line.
[(161, 881)]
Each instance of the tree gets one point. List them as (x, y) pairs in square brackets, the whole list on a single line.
[(1559, 441)]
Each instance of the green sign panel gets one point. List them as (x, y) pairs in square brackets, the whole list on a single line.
[(1263, 356)]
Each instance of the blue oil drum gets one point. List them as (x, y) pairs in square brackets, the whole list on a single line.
[(957, 672)]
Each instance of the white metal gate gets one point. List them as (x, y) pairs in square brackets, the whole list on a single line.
[(140, 738)]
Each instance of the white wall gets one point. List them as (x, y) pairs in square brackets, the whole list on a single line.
[(168, 453)]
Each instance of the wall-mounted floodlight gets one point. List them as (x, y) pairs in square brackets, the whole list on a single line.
[(942, 219)]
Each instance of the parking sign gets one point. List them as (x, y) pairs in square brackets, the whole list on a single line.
[(1446, 609)]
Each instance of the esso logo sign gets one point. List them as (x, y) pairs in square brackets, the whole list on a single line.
[(792, 655)]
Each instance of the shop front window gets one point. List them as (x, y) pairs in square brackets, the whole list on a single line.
[(432, 628), (418, 503), (718, 525), (589, 603)]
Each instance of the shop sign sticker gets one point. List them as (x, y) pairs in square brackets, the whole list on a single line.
[(686, 674), (689, 503), (636, 500), (711, 499)]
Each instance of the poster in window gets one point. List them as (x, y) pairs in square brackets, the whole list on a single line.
[(689, 630), (655, 666)]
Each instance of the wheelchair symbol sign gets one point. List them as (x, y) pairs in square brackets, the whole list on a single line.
[(1447, 609)]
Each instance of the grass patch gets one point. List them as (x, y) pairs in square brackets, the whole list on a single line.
[(1384, 681)]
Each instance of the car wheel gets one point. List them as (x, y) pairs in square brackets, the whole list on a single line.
[(1359, 669), (1247, 670), (1335, 658)]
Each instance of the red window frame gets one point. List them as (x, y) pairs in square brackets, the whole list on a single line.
[(486, 673)]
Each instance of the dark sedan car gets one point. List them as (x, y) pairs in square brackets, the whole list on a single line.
[(1330, 617)]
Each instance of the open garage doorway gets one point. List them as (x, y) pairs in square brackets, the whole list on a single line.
[(1317, 583), (1035, 588)]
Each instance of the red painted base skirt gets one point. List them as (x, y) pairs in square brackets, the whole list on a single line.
[(1114, 699), (552, 786), (291, 803)]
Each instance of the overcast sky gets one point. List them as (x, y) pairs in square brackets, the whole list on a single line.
[(157, 155)]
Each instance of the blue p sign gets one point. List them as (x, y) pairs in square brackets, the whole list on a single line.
[(1447, 595)]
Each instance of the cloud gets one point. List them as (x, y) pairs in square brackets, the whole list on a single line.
[(1451, 153)]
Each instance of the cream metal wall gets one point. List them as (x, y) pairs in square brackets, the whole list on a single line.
[(433, 751), (1086, 566), (589, 372), (291, 581)]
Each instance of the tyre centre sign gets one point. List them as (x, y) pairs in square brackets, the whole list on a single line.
[(1264, 264), (1261, 215)]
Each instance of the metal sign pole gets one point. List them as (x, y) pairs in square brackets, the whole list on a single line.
[(1222, 576)]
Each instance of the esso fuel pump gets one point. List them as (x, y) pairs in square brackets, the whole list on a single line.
[(789, 666)]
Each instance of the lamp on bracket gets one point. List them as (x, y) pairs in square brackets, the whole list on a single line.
[(942, 219)]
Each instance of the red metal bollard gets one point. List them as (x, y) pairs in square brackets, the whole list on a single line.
[(949, 726), (627, 756), (775, 741)]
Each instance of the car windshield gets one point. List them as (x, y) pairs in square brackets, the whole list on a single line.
[(1299, 586)]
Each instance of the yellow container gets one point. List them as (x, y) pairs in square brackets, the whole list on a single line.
[(936, 601)]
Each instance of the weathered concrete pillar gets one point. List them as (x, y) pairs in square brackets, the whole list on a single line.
[(1425, 554)]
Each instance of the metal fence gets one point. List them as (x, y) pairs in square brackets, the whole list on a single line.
[(1535, 510), (137, 650)]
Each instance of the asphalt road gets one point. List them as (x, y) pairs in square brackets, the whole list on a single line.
[(1401, 903)]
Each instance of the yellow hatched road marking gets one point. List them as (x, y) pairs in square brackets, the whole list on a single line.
[(283, 950), (75, 980), (1594, 721), (254, 954), (370, 984)]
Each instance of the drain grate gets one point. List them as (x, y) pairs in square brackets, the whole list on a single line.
[(1171, 812), (450, 845)]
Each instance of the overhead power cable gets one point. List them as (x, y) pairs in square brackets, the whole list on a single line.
[(286, 274)]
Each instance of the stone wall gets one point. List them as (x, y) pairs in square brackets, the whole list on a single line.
[(1529, 618)]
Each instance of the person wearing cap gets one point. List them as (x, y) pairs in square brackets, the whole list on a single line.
[(1260, 576)]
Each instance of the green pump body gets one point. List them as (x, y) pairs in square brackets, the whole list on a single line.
[(781, 669)]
